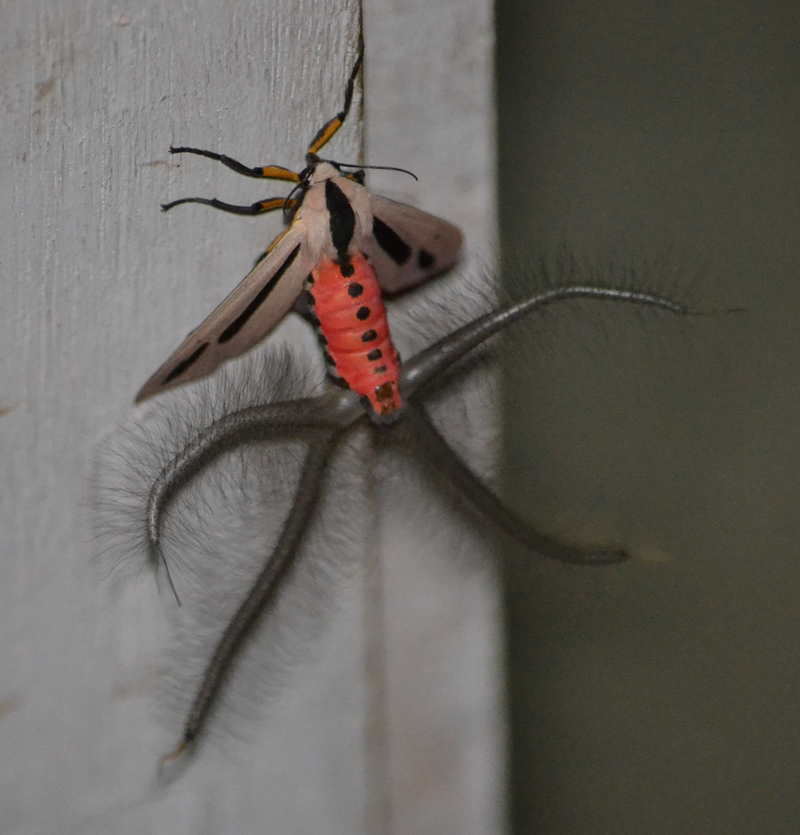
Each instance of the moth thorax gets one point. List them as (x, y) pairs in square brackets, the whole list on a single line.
[(350, 318)]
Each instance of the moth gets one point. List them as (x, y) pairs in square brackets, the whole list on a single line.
[(343, 249)]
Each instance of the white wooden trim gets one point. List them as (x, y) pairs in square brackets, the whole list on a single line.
[(97, 288)]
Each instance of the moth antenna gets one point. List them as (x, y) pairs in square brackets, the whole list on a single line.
[(374, 168)]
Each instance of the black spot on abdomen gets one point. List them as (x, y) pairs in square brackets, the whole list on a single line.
[(425, 259)]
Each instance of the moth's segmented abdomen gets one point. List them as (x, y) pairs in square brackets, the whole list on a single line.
[(352, 319)]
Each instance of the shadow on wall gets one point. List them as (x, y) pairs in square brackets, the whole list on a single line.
[(660, 696)]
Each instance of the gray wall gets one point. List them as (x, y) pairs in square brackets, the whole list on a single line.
[(660, 696)]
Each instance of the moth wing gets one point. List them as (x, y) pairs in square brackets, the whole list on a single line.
[(409, 246), (244, 318)]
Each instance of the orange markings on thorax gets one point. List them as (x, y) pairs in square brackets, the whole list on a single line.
[(352, 318)]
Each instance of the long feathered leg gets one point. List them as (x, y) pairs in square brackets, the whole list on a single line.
[(460, 481), (264, 590), (430, 363), (335, 410)]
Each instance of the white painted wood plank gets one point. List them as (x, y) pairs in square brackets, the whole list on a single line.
[(97, 288)]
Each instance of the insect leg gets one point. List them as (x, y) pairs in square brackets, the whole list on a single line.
[(261, 172), (430, 363), (468, 488), (259, 208), (263, 592), (327, 131)]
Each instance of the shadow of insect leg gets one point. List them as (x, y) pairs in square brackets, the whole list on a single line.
[(266, 587), (460, 481)]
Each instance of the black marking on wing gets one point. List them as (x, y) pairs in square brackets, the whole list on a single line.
[(390, 242), (354, 290), (374, 354), (342, 217), (346, 269), (362, 313), (369, 336), (425, 259), (182, 366), (244, 317)]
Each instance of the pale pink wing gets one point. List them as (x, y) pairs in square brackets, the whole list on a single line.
[(409, 246), (246, 316)]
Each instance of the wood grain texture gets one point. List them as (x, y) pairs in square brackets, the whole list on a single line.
[(98, 286)]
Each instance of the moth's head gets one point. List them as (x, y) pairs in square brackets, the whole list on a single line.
[(305, 177), (318, 172)]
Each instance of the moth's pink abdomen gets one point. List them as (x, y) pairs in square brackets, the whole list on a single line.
[(352, 320)]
